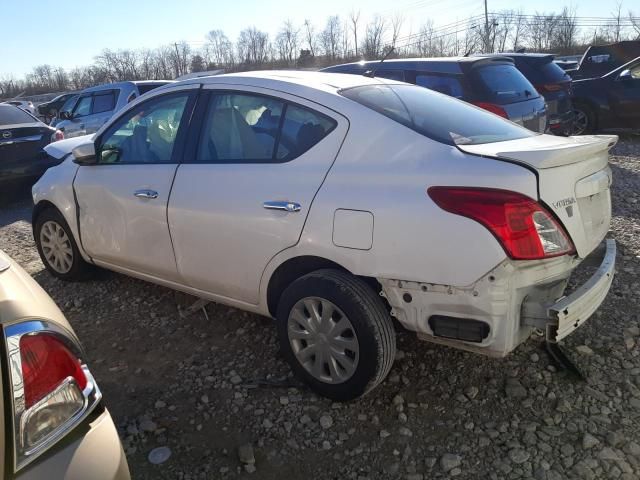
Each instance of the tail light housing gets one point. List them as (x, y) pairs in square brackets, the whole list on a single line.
[(57, 135), (493, 108), (553, 87), (525, 229), (52, 389)]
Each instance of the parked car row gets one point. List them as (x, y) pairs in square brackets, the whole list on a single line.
[(335, 203), (603, 92)]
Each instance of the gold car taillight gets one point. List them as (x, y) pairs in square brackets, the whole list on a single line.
[(52, 390)]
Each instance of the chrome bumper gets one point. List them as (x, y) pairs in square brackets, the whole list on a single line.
[(568, 313)]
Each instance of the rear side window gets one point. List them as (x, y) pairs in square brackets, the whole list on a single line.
[(148, 87), (440, 83), (302, 129), (436, 116), (246, 128), (10, 115), (390, 74), (104, 102), (502, 84)]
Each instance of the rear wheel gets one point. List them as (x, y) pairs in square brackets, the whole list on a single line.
[(336, 334), (585, 120), (57, 247)]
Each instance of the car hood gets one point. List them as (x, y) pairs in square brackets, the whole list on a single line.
[(62, 148)]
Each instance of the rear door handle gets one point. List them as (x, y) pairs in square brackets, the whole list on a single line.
[(144, 193), (286, 206)]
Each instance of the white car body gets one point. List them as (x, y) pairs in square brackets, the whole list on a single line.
[(364, 207)]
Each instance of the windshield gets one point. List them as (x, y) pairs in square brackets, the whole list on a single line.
[(10, 115), (69, 104), (435, 115)]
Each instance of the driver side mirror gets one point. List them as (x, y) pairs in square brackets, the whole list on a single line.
[(65, 115), (625, 75), (84, 154)]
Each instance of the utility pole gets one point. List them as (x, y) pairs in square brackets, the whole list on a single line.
[(486, 28), (179, 63)]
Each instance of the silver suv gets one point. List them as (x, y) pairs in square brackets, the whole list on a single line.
[(96, 105)]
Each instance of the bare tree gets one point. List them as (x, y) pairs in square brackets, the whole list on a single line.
[(331, 37), (516, 31), (310, 37), (566, 30), (635, 24), (396, 26), (287, 42), (373, 37), (354, 18), (253, 46), (616, 25), (218, 51)]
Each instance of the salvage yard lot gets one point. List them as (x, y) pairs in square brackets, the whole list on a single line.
[(206, 386)]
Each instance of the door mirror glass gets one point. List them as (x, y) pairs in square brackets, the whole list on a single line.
[(84, 154), (625, 75), (65, 115)]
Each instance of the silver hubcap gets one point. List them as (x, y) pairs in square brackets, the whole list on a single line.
[(323, 340), (56, 247), (580, 123)]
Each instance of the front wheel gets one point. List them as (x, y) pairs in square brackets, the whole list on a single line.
[(336, 334), (57, 247)]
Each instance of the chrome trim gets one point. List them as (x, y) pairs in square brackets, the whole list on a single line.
[(285, 206), (145, 193), (92, 394), (12, 140)]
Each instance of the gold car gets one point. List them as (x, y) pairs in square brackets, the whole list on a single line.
[(54, 421)]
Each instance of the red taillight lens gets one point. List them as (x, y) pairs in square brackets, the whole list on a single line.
[(551, 87), (58, 135), (525, 229), (493, 108), (46, 362)]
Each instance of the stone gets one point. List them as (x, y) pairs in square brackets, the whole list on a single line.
[(245, 454), (514, 389), (589, 441), (471, 392), (404, 431), (584, 350), (326, 421), (159, 455), (449, 461), (518, 455)]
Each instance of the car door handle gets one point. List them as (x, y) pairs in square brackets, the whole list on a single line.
[(146, 193), (286, 206)]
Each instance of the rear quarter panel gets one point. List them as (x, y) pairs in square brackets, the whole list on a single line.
[(385, 168)]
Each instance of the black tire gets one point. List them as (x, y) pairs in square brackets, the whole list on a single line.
[(585, 119), (80, 270), (371, 322)]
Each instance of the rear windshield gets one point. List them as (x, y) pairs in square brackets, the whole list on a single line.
[(545, 71), (144, 88), (436, 116), (10, 115), (503, 84)]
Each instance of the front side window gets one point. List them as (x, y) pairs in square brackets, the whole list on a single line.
[(83, 108), (104, 102), (147, 134), (436, 116), (448, 85)]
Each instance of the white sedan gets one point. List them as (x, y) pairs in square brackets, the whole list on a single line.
[(335, 203)]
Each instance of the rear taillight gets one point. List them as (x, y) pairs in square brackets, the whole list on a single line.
[(524, 228), (553, 87), (493, 108), (58, 135), (52, 390)]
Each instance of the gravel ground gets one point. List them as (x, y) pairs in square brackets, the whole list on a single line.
[(217, 394)]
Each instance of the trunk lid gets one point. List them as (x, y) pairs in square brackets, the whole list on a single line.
[(574, 179), (23, 141)]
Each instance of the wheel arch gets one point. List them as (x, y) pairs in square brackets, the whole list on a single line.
[(295, 267), (38, 208)]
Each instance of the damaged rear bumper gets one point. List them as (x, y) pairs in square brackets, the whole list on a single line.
[(500, 310), (568, 313)]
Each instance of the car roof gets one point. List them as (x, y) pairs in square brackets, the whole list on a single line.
[(433, 64), (517, 55), (331, 82), (133, 83)]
